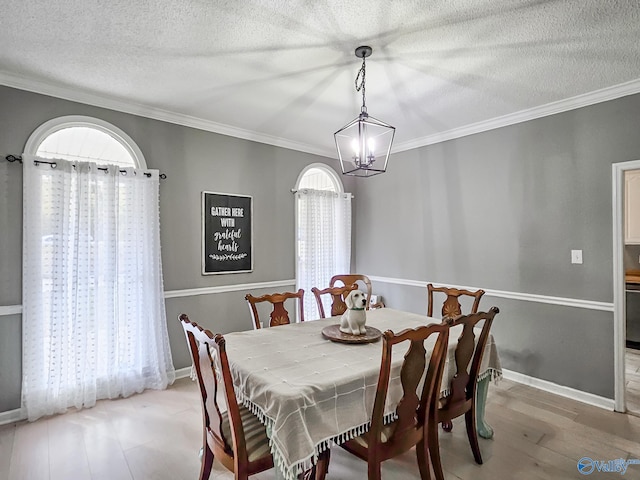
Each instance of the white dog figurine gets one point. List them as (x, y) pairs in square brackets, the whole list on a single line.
[(354, 319)]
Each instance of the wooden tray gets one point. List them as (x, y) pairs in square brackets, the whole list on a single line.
[(333, 333)]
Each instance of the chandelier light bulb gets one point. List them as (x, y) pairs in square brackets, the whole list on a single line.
[(355, 146)]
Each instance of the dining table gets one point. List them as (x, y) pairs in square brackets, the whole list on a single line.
[(312, 392)]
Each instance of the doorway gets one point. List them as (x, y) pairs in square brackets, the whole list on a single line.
[(626, 287)]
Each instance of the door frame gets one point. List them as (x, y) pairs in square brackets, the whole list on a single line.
[(619, 300)]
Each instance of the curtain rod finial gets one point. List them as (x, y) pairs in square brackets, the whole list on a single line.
[(13, 158)]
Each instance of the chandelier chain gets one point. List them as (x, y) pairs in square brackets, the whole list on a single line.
[(361, 86)]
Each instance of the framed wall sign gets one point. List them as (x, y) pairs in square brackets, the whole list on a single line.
[(227, 241)]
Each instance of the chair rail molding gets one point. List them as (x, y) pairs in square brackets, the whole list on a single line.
[(527, 297), (10, 310), (188, 292)]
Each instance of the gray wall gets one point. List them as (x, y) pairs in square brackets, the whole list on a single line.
[(194, 161), (501, 210)]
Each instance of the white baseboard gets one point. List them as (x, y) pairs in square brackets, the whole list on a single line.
[(183, 372), (17, 415), (568, 392), (12, 416)]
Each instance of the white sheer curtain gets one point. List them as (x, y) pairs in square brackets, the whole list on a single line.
[(94, 323), (324, 241)]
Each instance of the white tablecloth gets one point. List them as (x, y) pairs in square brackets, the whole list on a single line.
[(311, 392)]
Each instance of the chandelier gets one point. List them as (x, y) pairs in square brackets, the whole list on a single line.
[(364, 143)]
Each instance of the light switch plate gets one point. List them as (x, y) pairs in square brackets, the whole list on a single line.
[(576, 256)]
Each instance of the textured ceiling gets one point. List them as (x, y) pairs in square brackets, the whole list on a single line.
[(284, 71)]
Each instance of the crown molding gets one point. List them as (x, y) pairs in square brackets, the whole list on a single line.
[(103, 101), (584, 100)]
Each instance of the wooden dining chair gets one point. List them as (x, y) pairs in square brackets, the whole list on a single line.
[(451, 306), (353, 279), (461, 399), (279, 315), (235, 436), (416, 406), (338, 296)]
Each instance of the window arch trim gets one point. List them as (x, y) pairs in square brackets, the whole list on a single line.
[(335, 178), (70, 121)]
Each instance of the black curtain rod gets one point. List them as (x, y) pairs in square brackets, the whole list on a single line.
[(18, 158)]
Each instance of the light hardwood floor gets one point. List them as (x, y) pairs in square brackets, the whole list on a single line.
[(156, 436), (632, 373)]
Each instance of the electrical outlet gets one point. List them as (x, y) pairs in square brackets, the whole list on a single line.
[(576, 256)]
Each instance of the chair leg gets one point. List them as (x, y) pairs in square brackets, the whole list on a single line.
[(322, 466), (319, 470), (472, 433), (374, 470), (422, 452), (207, 462), (434, 450)]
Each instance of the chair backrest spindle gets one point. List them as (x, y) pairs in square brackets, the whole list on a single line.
[(279, 315), (413, 407), (451, 306), (338, 296), (353, 279)]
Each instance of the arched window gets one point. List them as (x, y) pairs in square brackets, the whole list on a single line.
[(94, 320), (85, 139), (323, 231)]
